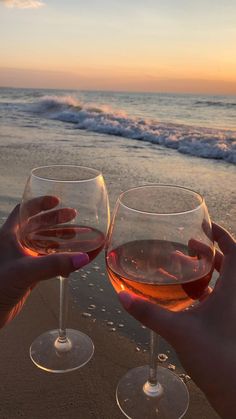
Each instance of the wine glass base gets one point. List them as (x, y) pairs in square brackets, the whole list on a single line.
[(170, 403), (50, 356)]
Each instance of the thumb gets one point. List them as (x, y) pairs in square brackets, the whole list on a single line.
[(224, 239), (164, 322), (30, 270)]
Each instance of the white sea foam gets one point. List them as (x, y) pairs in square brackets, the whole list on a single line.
[(196, 141)]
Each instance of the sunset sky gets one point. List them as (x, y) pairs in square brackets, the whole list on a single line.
[(131, 45)]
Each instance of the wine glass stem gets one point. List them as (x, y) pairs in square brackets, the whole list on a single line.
[(152, 388), (63, 308), (153, 359)]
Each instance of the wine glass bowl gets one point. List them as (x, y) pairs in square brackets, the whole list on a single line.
[(157, 251), (159, 247), (64, 209), (67, 198)]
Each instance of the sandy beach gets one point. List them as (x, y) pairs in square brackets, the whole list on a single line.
[(30, 393)]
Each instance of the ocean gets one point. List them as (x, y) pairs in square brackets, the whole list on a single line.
[(198, 125)]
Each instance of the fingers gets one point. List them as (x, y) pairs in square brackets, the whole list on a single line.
[(223, 238), (30, 270), (164, 275), (208, 252), (201, 249), (12, 220), (51, 218), (187, 267), (32, 207), (42, 203), (151, 315), (218, 260), (206, 294), (184, 265), (226, 263)]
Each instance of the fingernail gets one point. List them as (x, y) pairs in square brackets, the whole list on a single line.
[(125, 299), (80, 260)]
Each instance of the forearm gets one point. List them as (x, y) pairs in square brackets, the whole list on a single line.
[(224, 405), (215, 375)]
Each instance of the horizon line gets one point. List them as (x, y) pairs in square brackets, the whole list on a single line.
[(76, 89)]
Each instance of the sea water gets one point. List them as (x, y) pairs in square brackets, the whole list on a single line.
[(197, 125)]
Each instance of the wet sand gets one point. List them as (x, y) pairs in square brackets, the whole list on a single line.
[(30, 393)]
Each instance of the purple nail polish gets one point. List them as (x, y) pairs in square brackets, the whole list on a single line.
[(80, 260)]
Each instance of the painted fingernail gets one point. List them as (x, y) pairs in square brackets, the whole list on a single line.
[(125, 299), (80, 260)]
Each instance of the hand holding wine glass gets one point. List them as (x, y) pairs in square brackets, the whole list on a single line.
[(207, 350), (74, 217), (160, 249), (20, 272)]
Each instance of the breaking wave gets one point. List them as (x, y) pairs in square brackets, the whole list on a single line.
[(195, 141)]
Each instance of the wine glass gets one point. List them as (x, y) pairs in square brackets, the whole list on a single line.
[(64, 209), (159, 247)]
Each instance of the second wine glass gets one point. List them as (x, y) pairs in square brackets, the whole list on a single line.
[(159, 247), (64, 209)]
